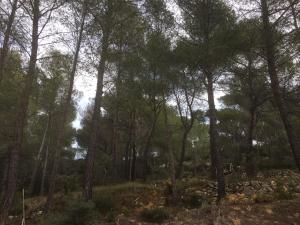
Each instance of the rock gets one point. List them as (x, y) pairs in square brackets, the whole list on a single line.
[(247, 183), (297, 189), (255, 184)]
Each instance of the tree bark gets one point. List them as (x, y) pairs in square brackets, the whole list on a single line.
[(271, 60), (38, 158), (214, 149), (294, 14), (182, 154), (21, 118), (147, 149), (4, 177), (115, 146), (88, 183), (133, 152), (42, 188), (66, 109), (250, 155), (5, 48), (171, 155)]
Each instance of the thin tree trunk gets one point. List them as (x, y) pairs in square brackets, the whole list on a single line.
[(7, 34), (182, 154), (38, 158), (21, 118), (45, 169), (128, 155), (66, 109), (127, 159), (215, 152), (133, 162), (250, 156), (285, 117), (88, 184), (4, 177), (146, 150), (133, 149), (294, 14), (115, 146), (171, 154)]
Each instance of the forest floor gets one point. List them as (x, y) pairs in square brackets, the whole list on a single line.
[(272, 198)]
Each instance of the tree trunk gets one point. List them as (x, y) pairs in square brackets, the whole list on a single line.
[(171, 155), (215, 152), (88, 184), (270, 53), (44, 170), (182, 155), (4, 177), (21, 118), (66, 109), (250, 155), (127, 161), (7, 34), (38, 158), (133, 152), (147, 149), (294, 14), (115, 146)]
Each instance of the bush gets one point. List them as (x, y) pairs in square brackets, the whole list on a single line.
[(156, 215), (104, 204), (80, 212), (76, 213), (194, 201), (55, 219), (262, 198), (66, 183), (282, 192), (17, 207)]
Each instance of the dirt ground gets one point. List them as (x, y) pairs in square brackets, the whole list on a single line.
[(284, 212)]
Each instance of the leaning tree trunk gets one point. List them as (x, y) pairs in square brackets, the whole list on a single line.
[(38, 158), (21, 117), (88, 183), (66, 109), (7, 34), (215, 152), (270, 53)]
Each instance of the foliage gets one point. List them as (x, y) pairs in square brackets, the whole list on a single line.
[(156, 215), (75, 213), (105, 204)]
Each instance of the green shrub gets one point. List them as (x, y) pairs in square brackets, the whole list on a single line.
[(193, 201), (283, 192), (66, 183), (55, 219), (104, 204), (17, 207), (156, 215), (80, 212), (262, 198), (76, 213)]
